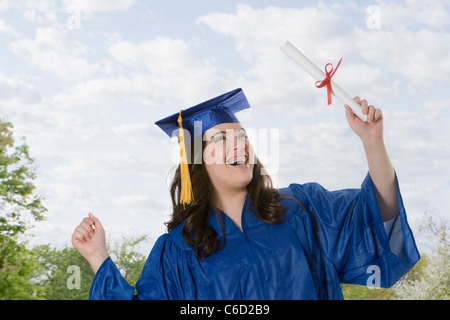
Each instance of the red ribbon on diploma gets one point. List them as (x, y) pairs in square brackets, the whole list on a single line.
[(327, 80)]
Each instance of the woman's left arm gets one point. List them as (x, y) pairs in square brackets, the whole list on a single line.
[(380, 168)]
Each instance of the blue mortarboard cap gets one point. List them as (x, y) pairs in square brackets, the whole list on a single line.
[(207, 114)]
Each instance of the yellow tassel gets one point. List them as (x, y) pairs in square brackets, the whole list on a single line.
[(186, 194)]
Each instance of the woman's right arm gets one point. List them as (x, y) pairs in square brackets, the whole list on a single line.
[(109, 284), (90, 241)]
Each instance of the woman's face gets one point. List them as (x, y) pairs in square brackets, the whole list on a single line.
[(228, 157)]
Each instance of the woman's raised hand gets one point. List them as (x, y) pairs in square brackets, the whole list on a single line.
[(372, 130), (90, 241)]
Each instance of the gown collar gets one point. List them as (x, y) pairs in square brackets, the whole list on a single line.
[(218, 218)]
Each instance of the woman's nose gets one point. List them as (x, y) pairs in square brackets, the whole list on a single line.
[(237, 143)]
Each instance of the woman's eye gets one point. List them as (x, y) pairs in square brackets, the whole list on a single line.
[(218, 137), (242, 136)]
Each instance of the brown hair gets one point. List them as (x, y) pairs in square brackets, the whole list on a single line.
[(196, 231)]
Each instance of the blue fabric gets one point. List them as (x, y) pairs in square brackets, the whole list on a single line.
[(199, 118), (336, 238)]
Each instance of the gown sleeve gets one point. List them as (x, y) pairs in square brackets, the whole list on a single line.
[(158, 281), (349, 231)]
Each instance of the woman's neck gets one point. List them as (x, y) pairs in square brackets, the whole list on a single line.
[(231, 203)]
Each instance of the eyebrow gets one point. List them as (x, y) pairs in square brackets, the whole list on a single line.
[(225, 131)]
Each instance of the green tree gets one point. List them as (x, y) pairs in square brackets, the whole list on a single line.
[(433, 282), (428, 280), (64, 273), (128, 260), (19, 210), (18, 268), (355, 292)]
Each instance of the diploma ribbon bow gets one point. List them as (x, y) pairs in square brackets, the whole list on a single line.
[(327, 80)]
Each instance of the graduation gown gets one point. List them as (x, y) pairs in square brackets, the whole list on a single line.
[(338, 236)]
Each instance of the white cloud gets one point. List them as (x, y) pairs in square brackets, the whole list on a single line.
[(90, 7), (6, 28), (16, 90), (138, 133), (414, 14), (158, 72), (83, 166), (77, 125), (371, 57), (59, 195), (52, 51), (169, 64), (136, 205), (422, 136), (421, 56), (42, 11), (42, 125), (35, 117), (326, 152), (258, 34), (119, 89)]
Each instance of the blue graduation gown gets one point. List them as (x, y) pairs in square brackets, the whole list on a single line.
[(338, 237)]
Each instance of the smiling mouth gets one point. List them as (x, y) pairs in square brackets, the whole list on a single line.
[(239, 161)]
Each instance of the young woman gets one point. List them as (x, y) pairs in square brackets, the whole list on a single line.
[(234, 236)]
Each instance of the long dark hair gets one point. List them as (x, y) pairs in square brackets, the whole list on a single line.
[(196, 231)]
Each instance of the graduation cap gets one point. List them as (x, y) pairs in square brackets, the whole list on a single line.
[(196, 120)]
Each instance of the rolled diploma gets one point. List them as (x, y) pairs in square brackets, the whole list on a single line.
[(319, 75)]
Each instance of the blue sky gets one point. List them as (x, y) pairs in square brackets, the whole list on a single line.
[(86, 96)]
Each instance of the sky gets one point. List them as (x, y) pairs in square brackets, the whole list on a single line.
[(84, 81)]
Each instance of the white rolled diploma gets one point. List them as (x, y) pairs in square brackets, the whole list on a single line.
[(319, 75)]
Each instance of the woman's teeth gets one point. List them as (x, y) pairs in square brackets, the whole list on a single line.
[(238, 161)]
